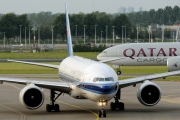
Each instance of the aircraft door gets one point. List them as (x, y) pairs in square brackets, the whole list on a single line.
[(120, 53)]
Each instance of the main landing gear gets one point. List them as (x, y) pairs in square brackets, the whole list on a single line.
[(118, 69), (52, 106), (118, 72), (102, 112), (117, 104)]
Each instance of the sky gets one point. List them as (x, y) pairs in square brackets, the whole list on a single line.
[(76, 6)]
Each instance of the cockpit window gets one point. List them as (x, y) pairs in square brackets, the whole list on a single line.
[(105, 52), (103, 79)]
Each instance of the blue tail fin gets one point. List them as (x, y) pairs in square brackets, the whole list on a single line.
[(68, 30)]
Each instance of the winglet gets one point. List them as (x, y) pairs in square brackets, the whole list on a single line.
[(68, 30)]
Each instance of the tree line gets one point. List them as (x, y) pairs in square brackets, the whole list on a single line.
[(80, 23)]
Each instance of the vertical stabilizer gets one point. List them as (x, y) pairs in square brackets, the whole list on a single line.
[(68, 31)]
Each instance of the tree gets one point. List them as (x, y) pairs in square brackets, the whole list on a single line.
[(122, 20), (90, 20), (8, 24), (22, 20), (60, 25)]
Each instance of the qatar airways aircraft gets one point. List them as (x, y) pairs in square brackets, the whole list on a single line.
[(143, 54), (85, 79)]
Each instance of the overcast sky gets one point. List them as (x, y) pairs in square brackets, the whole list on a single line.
[(76, 6)]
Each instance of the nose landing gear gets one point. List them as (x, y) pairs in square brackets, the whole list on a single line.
[(102, 112)]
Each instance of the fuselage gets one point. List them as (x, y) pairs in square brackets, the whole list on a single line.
[(141, 53), (90, 79)]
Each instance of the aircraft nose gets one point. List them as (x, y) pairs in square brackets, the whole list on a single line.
[(99, 57), (109, 88)]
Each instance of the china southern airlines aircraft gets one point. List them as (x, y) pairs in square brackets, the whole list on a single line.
[(86, 79), (143, 54)]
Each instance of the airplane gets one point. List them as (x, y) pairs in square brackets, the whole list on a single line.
[(143, 54), (85, 79)]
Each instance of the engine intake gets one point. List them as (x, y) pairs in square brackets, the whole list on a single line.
[(149, 93), (31, 97)]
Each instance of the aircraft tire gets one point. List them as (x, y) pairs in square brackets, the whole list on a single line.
[(121, 106), (101, 113), (118, 72), (56, 108), (113, 106), (48, 108)]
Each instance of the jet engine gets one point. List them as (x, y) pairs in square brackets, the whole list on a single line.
[(173, 63), (31, 96), (149, 93)]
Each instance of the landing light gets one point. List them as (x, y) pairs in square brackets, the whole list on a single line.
[(102, 103)]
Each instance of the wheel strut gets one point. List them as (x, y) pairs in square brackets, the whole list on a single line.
[(52, 106), (117, 104)]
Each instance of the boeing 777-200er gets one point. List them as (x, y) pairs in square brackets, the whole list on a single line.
[(143, 54), (86, 79)]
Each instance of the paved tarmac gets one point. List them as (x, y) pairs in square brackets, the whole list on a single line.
[(11, 109)]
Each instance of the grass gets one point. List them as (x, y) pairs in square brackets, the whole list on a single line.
[(18, 68), (47, 55)]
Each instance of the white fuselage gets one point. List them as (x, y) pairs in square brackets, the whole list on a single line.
[(141, 53), (86, 73)]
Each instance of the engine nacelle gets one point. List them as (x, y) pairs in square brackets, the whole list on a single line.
[(31, 96), (173, 63), (149, 93)]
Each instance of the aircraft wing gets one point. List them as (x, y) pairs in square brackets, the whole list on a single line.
[(59, 86), (134, 81), (38, 64)]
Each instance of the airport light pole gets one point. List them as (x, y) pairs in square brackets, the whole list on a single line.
[(39, 35), (52, 34), (84, 33), (106, 33), (125, 34), (76, 32), (29, 35), (4, 40), (149, 31), (122, 34), (95, 34), (25, 36), (162, 33), (34, 29), (101, 36), (137, 33), (113, 33), (20, 33)]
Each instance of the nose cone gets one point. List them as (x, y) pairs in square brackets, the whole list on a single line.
[(100, 56), (108, 88), (100, 88)]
